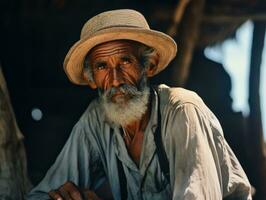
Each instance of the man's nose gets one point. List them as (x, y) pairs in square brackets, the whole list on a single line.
[(116, 77)]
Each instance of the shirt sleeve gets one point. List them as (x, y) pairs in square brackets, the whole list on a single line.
[(202, 165), (78, 162)]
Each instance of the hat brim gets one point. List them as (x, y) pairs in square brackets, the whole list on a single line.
[(74, 60)]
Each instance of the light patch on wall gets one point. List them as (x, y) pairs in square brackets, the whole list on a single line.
[(263, 89), (36, 114)]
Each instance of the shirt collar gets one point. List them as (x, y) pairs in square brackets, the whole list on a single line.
[(154, 110)]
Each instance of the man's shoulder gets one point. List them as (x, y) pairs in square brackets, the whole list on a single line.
[(177, 96), (93, 111), (188, 101)]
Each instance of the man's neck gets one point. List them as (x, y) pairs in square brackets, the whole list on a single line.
[(134, 134), (139, 125)]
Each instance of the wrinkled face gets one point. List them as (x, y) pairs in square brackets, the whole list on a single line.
[(115, 64), (121, 81)]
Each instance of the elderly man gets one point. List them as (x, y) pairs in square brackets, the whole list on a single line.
[(142, 142)]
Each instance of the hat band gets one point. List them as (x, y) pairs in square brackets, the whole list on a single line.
[(120, 26), (114, 26)]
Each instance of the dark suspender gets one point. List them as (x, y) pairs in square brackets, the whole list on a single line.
[(122, 180), (121, 176), (163, 160)]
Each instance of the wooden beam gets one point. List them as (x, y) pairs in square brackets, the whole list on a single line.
[(229, 18), (186, 37), (177, 17), (257, 159), (220, 16)]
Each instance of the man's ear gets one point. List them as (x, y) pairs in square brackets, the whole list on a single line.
[(152, 66), (150, 70), (87, 79)]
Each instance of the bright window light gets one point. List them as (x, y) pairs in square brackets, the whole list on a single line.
[(234, 54)]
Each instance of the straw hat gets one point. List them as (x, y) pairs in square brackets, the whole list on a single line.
[(115, 25)]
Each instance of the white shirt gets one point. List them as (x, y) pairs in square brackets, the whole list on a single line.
[(202, 165)]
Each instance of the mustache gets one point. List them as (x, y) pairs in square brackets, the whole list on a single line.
[(124, 88)]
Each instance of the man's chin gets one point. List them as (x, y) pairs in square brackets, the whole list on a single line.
[(120, 99), (121, 110)]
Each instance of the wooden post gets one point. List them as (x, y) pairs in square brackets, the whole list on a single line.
[(186, 37), (14, 182), (257, 162), (177, 17)]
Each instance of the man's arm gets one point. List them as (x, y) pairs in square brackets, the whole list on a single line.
[(202, 166), (74, 164), (235, 183)]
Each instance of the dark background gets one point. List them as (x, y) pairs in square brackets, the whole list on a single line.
[(34, 39)]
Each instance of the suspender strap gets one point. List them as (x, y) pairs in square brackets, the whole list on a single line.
[(163, 160), (122, 180), (122, 177)]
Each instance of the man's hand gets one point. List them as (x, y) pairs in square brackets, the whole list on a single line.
[(69, 191)]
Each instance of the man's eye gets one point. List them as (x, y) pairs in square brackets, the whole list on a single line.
[(126, 61), (100, 66)]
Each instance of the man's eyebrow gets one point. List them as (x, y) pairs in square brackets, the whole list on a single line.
[(128, 56), (98, 62)]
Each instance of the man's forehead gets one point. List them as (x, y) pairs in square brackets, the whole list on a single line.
[(113, 47)]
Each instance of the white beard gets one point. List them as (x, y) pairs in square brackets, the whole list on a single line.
[(122, 113)]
